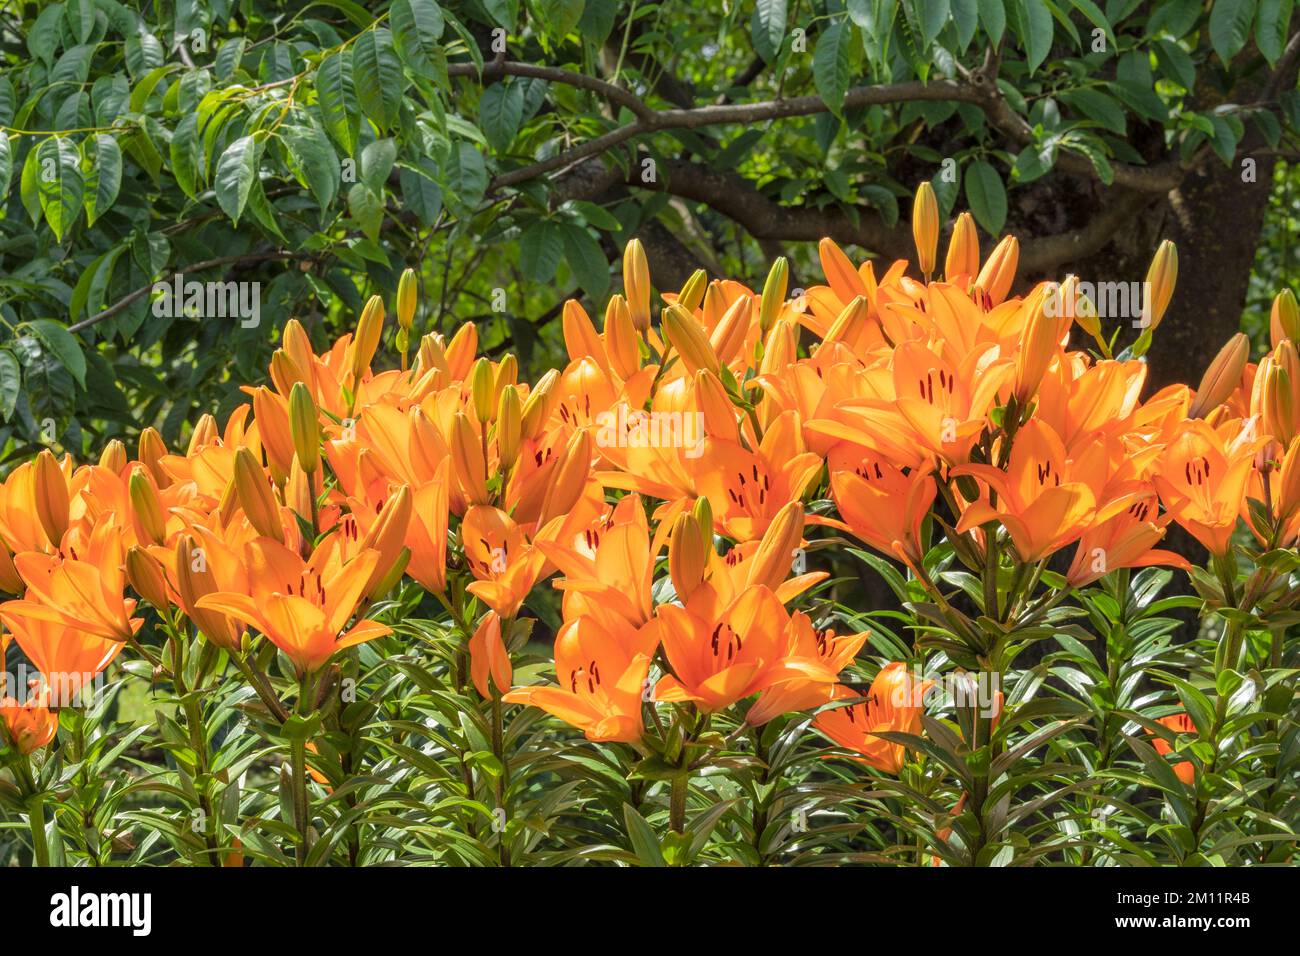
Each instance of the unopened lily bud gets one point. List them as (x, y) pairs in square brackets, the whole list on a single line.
[(299, 490), (467, 460), (703, 512), (688, 338), (636, 284), (1284, 320), (1161, 278), (539, 404), (507, 374), (482, 389), (963, 249), (146, 507), (460, 351), (1039, 340), (581, 340), (432, 355), (113, 457), (205, 433), (999, 271), (150, 453), (849, 323), (256, 497), (729, 334), (715, 405), (714, 304), (774, 289), (1223, 375), (622, 343), (406, 295), (509, 425), (925, 227), (284, 373), (50, 488), (1287, 501), (840, 274), (774, 557), (387, 534), (687, 555), (1070, 305), (780, 349), (297, 345), (194, 579), (369, 329), (692, 293), (569, 477), (304, 426), (145, 573), (1281, 393)]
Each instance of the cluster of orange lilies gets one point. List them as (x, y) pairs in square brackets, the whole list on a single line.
[(918, 406)]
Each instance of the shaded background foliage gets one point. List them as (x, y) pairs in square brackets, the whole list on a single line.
[(507, 149)]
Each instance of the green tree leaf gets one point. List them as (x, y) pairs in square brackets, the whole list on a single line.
[(334, 96), (587, 260), (1230, 22), (59, 182), (417, 26), (987, 196), (767, 28), (377, 75), (831, 65), (103, 174), (235, 173), (500, 111), (62, 345), (11, 383)]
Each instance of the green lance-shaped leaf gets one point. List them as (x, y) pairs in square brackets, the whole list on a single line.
[(62, 345), (6, 165), (11, 383), (417, 27), (187, 155), (500, 111), (317, 163), (103, 174), (377, 75), (831, 64), (334, 94), (987, 196), (59, 183), (1230, 22), (236, 170), (767, 29)]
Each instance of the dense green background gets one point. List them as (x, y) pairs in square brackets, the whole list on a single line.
[(319, 148)]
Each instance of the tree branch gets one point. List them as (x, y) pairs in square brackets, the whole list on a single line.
[(206, 264)]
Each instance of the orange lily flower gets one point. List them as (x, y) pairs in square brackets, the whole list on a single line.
[(302, 607), (84, 590), (608, 568), (67, 657), (835, 654), (718, 659), (1040, 500), (1202, 480), (488, 657), (1125, 540), (601, 673), (748, 488), (30, 725), (499, 554), (1179, 723), (894, 703), (884, 506)]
